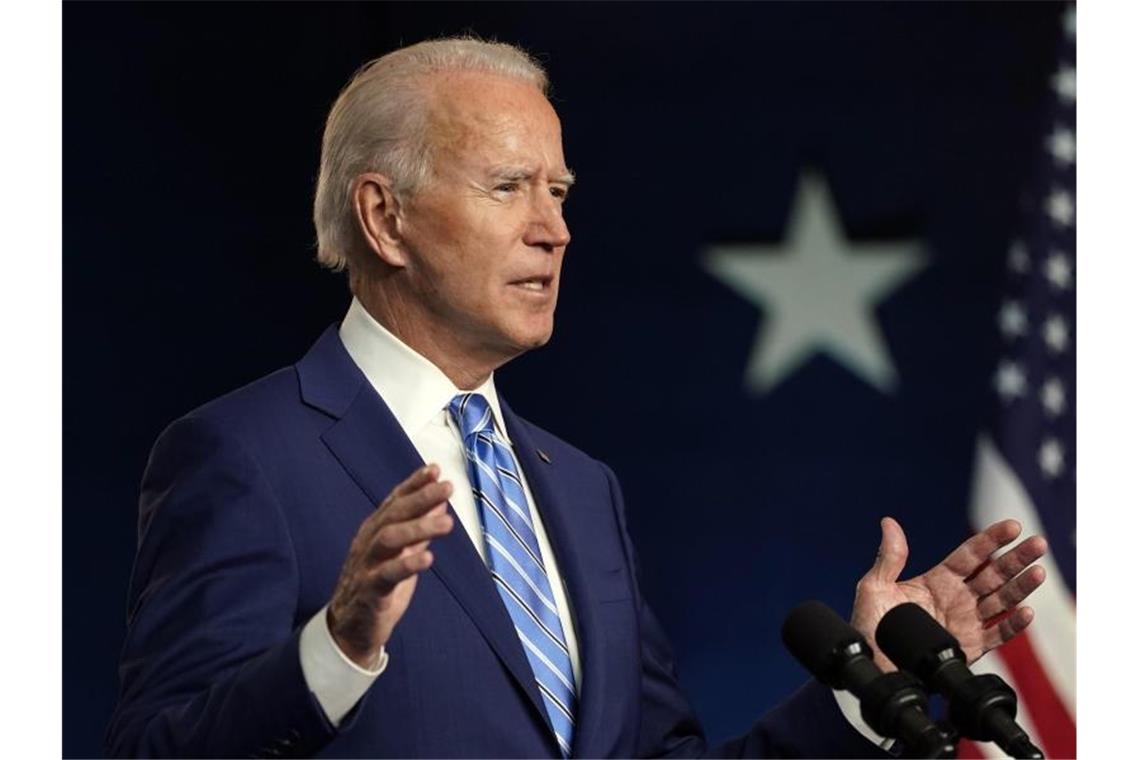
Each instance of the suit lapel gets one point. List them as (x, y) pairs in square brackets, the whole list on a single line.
[(369, 443), (567, 530)]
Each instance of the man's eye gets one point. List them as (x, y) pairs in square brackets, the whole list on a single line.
[(559, 192), (506, 187)]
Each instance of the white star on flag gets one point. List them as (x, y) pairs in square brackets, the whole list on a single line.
[(818, 292), (1065, 83), (1018, 257), (1053, 396), (1062, 145), (1012, 319), (1059, 206), (1056, 333), (1051, 457), (1059, 271), (1010, 381)]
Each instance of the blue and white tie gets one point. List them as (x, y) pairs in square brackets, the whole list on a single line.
[(515, 560)]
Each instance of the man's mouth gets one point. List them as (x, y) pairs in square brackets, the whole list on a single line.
[(534, 284)]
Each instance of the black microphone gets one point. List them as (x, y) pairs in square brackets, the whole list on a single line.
[(983, 707), (893, 704)]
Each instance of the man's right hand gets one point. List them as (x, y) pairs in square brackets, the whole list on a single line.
[(387, 554)]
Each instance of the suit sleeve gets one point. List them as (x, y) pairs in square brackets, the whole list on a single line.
[(211, 666), (807, 724)]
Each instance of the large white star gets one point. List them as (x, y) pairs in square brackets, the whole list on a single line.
[(818, 292)]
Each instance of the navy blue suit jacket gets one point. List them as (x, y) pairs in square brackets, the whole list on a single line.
[(247, 509)]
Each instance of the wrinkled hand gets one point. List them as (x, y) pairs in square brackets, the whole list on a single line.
[(387, 554), (965, 592)]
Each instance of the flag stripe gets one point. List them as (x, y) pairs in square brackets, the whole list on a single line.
[(998, 494), (992, 663), (1055, 729)]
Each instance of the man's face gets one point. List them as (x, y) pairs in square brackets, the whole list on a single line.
[(485, 236)]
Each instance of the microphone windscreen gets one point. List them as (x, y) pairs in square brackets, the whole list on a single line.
[(813, 633), (908, 635)]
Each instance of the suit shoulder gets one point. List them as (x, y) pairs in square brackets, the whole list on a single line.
[(264, 425), (257, 413), (268, 395)]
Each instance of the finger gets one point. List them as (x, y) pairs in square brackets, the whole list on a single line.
[(417, 480), (420, 477), (1012, 593), (891, 559), (996, 572), (415, 503), (997, 635), (393, 538), (397, 569), (975, 551)]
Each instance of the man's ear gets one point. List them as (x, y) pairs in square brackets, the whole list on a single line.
[(377, 212)]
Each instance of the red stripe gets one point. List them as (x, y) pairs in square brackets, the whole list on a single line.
[(967, 750), (1036, 695)]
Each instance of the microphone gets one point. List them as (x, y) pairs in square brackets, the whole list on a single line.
[(983, 707), (893, 704)]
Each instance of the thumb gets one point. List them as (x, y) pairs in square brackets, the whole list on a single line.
[(892, 554)]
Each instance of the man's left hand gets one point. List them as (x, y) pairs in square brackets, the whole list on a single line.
[(972, 594)]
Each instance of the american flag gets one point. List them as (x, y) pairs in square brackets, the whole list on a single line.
[(1026, 458)]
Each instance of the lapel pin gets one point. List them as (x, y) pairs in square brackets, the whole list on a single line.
[(543, 456)]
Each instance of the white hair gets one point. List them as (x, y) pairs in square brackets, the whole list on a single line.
[(379, 124)]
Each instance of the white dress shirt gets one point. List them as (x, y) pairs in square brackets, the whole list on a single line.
[(417, 392)]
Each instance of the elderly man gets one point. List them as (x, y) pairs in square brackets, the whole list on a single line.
[(301, 585)]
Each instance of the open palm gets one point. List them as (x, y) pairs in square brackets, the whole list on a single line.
[(971, 593)]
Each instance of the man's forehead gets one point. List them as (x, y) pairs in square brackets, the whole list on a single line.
[(447, 82), (475, 98), (494, 119)]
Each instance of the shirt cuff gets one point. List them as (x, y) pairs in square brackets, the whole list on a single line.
[(849, 706), (337, 682)]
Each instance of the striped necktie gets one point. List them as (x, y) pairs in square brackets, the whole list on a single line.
[(515, 560)]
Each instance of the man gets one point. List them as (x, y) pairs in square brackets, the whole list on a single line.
[(301, 586)]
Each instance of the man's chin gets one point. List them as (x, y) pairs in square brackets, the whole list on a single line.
[(530, 339), (533, 342)]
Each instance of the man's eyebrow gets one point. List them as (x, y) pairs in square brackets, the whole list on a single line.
[(522, 174)]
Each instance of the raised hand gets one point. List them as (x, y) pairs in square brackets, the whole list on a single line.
[(388, 552), (973, 595)]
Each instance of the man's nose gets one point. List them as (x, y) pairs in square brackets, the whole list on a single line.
[(547, 227)]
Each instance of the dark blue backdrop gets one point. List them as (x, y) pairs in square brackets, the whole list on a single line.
[(191, 136)]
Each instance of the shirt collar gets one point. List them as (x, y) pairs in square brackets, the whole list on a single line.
[(414, 389)]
